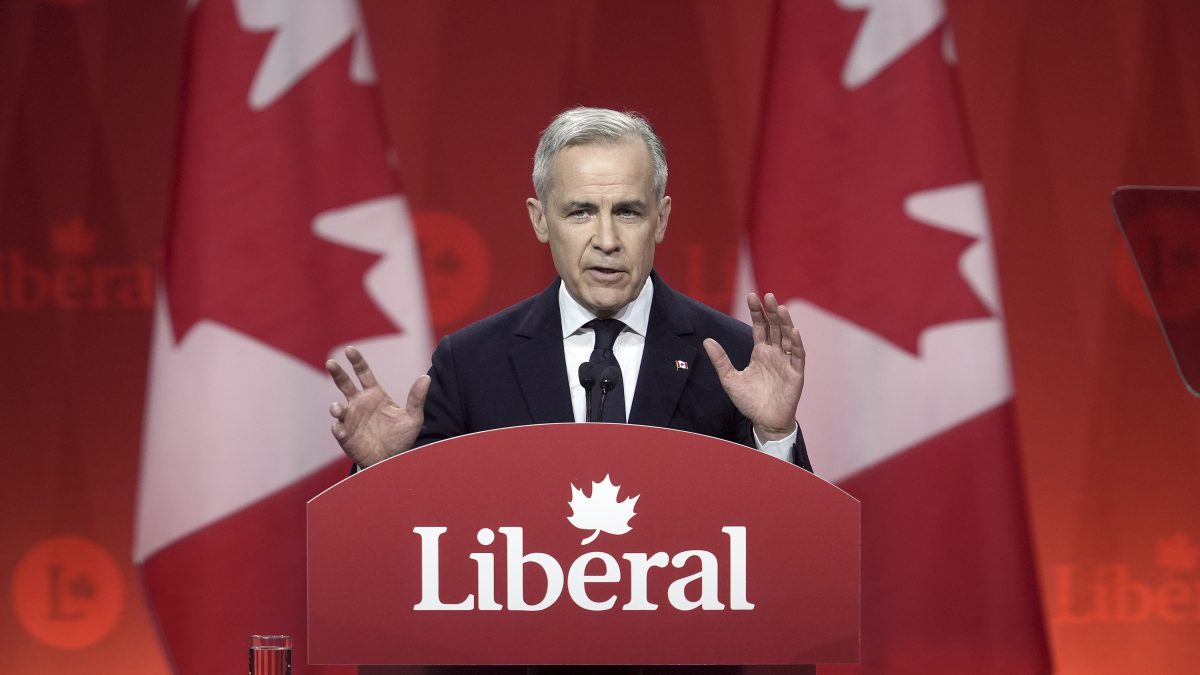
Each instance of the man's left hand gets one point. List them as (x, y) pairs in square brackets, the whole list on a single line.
[(768, 390)]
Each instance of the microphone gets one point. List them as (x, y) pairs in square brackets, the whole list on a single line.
[(587, 378), (608, 380)]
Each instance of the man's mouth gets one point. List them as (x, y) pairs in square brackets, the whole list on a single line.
[(605, 273)]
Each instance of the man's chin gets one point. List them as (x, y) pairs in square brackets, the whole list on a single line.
[(603, 298), (605, 305)]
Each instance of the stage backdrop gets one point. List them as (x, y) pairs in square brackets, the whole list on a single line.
[(1063, 102)]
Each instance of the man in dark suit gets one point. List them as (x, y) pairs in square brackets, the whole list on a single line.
[(601, 205)]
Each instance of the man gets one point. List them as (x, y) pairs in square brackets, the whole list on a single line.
[(600, 178)]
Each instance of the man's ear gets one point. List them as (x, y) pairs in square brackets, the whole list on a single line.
[(664, 210), (538, 218)]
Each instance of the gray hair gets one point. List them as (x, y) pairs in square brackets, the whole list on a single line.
[(586, 126)]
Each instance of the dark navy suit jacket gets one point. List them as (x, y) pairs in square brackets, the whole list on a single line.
[(509, 370)]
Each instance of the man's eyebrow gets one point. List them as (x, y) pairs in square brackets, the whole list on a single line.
[(571, 207), (631, 204)]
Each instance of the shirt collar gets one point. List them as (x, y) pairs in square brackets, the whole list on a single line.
[(635, 315)]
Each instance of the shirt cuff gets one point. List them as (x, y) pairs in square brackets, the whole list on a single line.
[(781, 448)]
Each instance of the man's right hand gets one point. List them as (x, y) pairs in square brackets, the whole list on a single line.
[(370, 427)]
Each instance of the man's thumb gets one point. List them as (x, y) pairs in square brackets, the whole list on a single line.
[(417, 393), (720, 360)]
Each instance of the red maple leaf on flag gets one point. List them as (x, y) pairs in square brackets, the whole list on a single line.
[(839, 165), (245, 258), (871, 225), (289, 238)]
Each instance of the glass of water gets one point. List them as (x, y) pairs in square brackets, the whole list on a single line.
[(270, 655)]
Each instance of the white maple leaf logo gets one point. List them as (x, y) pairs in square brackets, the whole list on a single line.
[(601, 512)]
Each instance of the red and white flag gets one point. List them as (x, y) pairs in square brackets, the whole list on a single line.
[(289, 240), (870, 224)]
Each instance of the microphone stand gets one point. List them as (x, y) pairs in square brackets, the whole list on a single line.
[(587, 379)]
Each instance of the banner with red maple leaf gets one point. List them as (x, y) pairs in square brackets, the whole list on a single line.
[(868, 221), (288, 241)]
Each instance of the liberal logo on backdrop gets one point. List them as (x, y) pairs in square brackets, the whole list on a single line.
[(595, 580), (72, 278), (1165, 591)]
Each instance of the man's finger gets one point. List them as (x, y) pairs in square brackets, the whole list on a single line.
[(416, 395), (785, 316), (798, 347), (337, 410), (758, 322), (771, 314), (339, 431), (341, 379), (786, 331), (361, 369), (798, 356), (720, 360)]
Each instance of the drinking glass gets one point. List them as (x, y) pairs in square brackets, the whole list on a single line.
[(270, 655)]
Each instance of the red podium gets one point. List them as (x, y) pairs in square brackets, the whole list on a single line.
[(583, 544)]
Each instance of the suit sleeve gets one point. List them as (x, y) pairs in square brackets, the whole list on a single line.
[(745, 436), (800, 451), (445, 414)]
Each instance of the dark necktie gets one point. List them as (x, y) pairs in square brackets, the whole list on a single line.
[(603, 359)]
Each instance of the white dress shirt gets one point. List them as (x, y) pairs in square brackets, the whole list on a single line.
[(579, 341)]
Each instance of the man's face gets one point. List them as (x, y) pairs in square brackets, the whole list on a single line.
[(602, 220)]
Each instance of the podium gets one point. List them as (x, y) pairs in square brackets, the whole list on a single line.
[(595, 544)]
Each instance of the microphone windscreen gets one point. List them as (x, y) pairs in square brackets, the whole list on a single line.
[(587, 375), (609, 377)]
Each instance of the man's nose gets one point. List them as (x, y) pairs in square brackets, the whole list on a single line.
[(605, 238)]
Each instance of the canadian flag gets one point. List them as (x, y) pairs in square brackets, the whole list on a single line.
[(868, 221), (288, 241)]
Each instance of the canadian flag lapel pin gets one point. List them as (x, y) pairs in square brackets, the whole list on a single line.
[(681, 365)]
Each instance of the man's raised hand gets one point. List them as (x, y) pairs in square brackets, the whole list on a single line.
[(370, 427), (768, 390)]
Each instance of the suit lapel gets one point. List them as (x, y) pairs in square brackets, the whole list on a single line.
[(661, 379), (539, 364)]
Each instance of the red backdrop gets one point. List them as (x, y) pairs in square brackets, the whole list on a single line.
[(1064, 100)]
